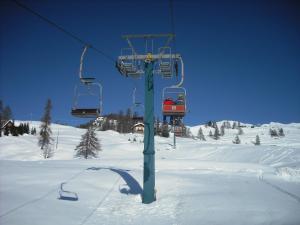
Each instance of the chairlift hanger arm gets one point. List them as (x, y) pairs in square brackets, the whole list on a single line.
[(166, 44), (81, 61), (131, 46)]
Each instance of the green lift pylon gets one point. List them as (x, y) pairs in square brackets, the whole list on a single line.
[(129, 65), (149, 152)]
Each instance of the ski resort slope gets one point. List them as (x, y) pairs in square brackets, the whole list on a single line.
[(200, 182)]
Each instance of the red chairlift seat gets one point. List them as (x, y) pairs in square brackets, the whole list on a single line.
[(175, 108)]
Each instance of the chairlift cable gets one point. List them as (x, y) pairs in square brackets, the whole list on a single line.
[(60, 28)]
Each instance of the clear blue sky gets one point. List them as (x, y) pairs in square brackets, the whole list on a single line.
[(242, 58)]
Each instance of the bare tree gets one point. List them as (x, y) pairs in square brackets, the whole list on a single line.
[(89, 145), (45, 139)]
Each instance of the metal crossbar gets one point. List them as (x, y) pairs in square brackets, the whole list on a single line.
[(154, 57)]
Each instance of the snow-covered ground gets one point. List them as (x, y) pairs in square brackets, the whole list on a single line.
[(200, 182)]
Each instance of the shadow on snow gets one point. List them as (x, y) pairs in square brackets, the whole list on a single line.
[(131, 187)]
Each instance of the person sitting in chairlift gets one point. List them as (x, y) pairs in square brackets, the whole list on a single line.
[(180, 100), (169, 101)]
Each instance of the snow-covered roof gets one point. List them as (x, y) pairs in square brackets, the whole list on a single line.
[(138, 124), (7, 122)]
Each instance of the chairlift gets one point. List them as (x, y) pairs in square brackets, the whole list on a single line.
[(165, 64), (87, 84), (92, 91), (67, 195), (129, 66), (174, 101)]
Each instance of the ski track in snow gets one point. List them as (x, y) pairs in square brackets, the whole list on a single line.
[(100, 202), (39, 198), (281, 190)]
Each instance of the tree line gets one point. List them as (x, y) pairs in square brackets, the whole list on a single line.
[(6, 116)]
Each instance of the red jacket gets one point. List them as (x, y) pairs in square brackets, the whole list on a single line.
[(169, 102)]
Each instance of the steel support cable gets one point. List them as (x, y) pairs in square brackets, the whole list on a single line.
[(62, 29)]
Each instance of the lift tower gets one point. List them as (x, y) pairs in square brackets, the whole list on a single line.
[(134, 65)]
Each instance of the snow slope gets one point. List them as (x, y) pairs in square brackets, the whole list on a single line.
[(212, 182)]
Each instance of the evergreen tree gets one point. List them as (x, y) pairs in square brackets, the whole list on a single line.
[(227, 125), (33, 131), (165, 131), (89, 145), (200, 135), (14, 131), (281, 133), (257, 140), (45, 139), (120, 127), (26, 128), (6, 131), (222, 130), (188, 133), (20, 129), (236, 140), (273, 132), (240, 131), (234, 125), (217, 133)]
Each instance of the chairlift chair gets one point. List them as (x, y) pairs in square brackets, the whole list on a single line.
[(170, 105), (165, 64), (67, 195), (129, 67), (84, 111), (86, 83)]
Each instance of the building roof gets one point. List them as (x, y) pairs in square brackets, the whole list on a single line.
[(7, 122), (138, 124)]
